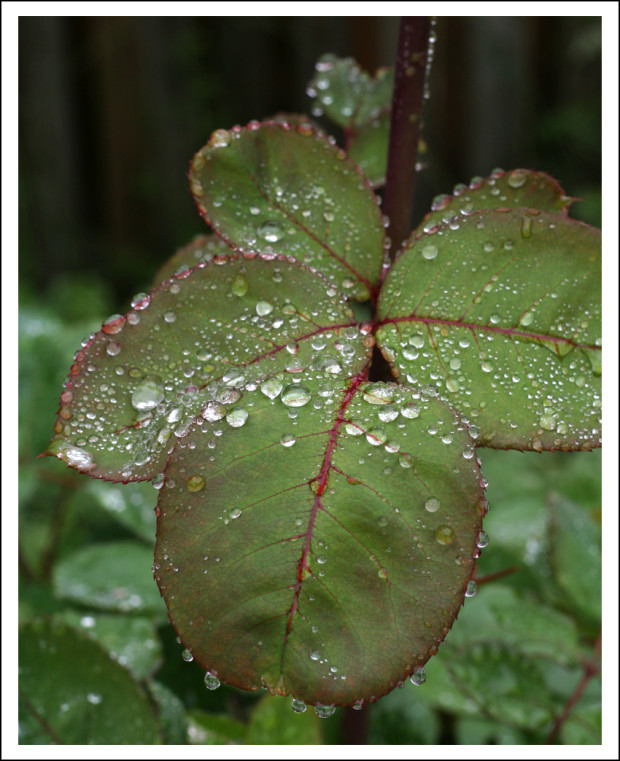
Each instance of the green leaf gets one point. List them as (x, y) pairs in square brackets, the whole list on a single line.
[(273, 722), (517, 189), (172, 718), (112, 576), (575, 549), (187, 349), (349, 96), (73, 693), (203, 248), (501, 314), (296, 551), (214, 729), (369, 148), (132, 505), (130, 641), (279, 189)]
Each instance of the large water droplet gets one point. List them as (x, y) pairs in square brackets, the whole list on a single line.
[(239, 286), (114, 324), (213, 411), (147, 395), (295, 396), (195, 483), (263, 308), (140, 301), (430, 251), (298, 705), (518, 178), (444, 535), (418, 677), (237, 417), (271, 231), (324, 712), (287, 439), (376, 436), (271, 387), (388, 413), (211, 681), (471, 588), (483, 539), (187, 655), (432, 504)]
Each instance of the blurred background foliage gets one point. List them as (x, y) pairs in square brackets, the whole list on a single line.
[(111, 111)]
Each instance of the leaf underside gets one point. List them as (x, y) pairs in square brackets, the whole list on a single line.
[(316, 531)]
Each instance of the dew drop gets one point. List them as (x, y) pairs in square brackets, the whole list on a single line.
[(324, 712), (237, 417), (211, 681), (263, 308), (298, 706), (527, 318), (432, 504), (315, 655), (287, 439), (295, 396), (517, 178), (187, 655), (482, 540), (213, 411), (147, 395), (430, 251), (376, 436), (140, 301), (471, 588), (239, 286), (444, 535), (271, 387), (113, 349), (195, 483), (170, 317), (114, 324), (418, 677), (354, 428), (270, 231)]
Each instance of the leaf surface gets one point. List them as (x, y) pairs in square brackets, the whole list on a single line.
[(73, 693), (502, 316), (275, 188), (517, 189), (185, 350), (320, 551)]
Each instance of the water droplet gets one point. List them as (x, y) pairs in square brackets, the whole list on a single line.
[(287, 439), (432, 504), (237, 417), (526, 227), (263, 308), (158, 481), (187, 655), (517, 178), (418, 677), (239, 286), (114, 324), (527, 318), (382, 521), (147, 395), (271, 387), (113, 349), (486, 366), (471, 588), (410, 411), (195, 483), (270, 231), (354, 428), (140, 301), (315, 655), (378, 393), (388, 413), (444, 535), (211, 681), (213, 411), (440, 202), (324, 712), (170, 317), (295, 396), (235, 513), (430, 251), (376, 436), (483, 539), (298, 705), (94, 698)]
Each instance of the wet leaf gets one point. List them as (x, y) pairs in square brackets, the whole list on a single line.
[(132, 505), (517, 189), (214, 729), (111, 576), (369, 148), (204, 248), (575, 550), (502, 316), (73, 693), (271, 188), (349, 96), (132, 642), (305, 583), (274, 722), (200, 338), (172, 718)]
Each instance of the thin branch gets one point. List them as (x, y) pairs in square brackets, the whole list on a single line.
[(497, 575), (590, 669), (407, 102)]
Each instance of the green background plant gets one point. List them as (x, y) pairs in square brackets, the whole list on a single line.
[(61, 518)]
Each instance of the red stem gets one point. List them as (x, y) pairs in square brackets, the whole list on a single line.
[(590, 669), (405, 126)]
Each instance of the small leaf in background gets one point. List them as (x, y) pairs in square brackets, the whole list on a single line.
[(331, 528), (369, 149), (110, 576), (274, 189), (214, 729), (501, 314), (172, 718), (132, 505), (401, 719), (517, 189), (73, 693), (575, 552), (131, 641), (274, 722)]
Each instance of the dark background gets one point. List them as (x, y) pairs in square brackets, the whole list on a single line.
[(113, 108)]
